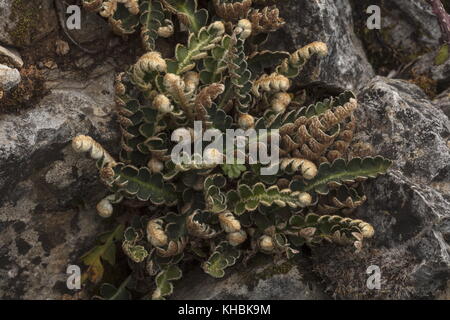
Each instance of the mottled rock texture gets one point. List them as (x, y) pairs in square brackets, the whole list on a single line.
[(443, 102), (24, 22), (261, 280), (48, 193), (426, 65), (331, 22), (409, 207), (9, 77)]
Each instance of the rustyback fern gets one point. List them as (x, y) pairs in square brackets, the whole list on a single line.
[(220, 213)]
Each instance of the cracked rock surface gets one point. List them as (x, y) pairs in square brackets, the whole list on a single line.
[(48, 193), (409, 207)]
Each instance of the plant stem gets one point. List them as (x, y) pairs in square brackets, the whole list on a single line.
[(443, 19)]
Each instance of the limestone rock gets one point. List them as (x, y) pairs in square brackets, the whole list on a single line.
[(331, 22), (47, 192), (9, 77), (409, 207), (24, 22)]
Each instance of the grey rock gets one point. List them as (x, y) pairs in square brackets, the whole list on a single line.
[(13, 55), (47, 192), (411, 244), (426, 65), (399, 121), (409, 207), (262, 280), (442, 101), (9, 77), (331, 22), (24, 22), (420, 14)]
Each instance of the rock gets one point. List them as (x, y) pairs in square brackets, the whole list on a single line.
[(95, 29), (443, 102), (24, 22), (408, 30), (47, 192), (411, 244), (13, 55), (331, 22), (9, 77), (397, 118), (262, 280), (409, 207), (420, 14), (426, 65)]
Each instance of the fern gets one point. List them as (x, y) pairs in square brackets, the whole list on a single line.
[(211, 211)]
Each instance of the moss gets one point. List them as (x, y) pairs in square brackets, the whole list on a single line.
[(428, 85), (26, 15), (271, 271), (442, 55), (30, 91)]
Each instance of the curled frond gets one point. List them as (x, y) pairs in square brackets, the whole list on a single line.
[(306, 168), (85, 144), (265, 20), (271, 83), (105, 206), (229, 222), (292, 66), (156, 234), (232, 11)]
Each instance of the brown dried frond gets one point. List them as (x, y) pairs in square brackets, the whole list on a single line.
[(271, 83), (332, 204), (332, 117), (340, 147), (310, 137), (205, 99), (232, 11), (93, 5), (265, 20)]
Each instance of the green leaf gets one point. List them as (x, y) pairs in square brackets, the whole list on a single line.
[(145, 186), (247, 198), (152, 18), (196, 49), (224, 256), (187, 12), (340, 172), (110, 292), (163, 280), (233, 171), (106, 251)]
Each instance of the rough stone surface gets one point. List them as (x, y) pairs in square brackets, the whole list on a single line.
[(443, 102), (331, 22), (397, 118), (440, 73), (24, 22), (409, 207), (262, 280), (48, 193), (9, 77), (13, 55), (420, 14)]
